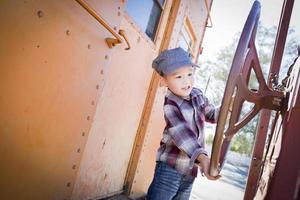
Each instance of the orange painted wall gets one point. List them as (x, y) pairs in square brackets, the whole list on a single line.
[(70, 106), (52, 54)]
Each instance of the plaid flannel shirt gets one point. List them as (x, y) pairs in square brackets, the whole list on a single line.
[(183, 136)]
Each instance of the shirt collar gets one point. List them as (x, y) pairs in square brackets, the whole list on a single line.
[(179, 100)]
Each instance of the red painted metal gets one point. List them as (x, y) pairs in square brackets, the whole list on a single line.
[(285, 182), (259, 146)]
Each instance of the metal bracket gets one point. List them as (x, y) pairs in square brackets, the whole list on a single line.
[(111, 42)]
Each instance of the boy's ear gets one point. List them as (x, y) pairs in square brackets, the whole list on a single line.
[(163, 82)]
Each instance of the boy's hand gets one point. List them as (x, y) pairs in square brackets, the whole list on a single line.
[(204, 162)]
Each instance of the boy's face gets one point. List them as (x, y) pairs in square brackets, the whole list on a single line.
[(181, 81)]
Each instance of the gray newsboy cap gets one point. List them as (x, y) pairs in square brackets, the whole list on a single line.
[(170, 60)]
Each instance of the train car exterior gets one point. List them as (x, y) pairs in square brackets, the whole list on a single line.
[(80, 105)]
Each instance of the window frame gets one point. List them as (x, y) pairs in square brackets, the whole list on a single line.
[(140, 29), (187, 26)]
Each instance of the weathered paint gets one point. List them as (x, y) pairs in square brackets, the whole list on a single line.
[(52, 54), (111, 138), (265, 117), (71, 106), (168, 19), (280, 177)]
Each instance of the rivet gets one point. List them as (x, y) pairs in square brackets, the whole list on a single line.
[(103, 143), (88, 117), (78, 150), (68, 32), (83, 134), (89, 46), (69, 184), (74, 167), (40, 14)]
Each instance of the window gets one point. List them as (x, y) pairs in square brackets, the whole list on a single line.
[(146, 14), (187, 38)]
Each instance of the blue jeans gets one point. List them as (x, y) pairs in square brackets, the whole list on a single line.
[(168, 184)]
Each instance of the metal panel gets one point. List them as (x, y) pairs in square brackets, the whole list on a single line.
[(111, 139), (162, 39), (146, 162), (285, 181), (52, 58), (198, 14)]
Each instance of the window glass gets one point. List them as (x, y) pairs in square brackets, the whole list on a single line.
[(146, 14), (185, 40)]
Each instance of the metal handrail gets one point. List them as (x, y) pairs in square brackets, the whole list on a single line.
[(110, 41), (209, 16)]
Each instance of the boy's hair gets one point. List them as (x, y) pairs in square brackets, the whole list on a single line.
[(170, 60)]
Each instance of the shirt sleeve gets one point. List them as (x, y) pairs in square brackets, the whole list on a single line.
[(211, 112), (183, 136)]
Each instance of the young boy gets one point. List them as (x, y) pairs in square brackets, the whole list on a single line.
[(181, 149)]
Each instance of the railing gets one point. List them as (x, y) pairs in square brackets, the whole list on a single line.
[(208, 13), (111, 42)]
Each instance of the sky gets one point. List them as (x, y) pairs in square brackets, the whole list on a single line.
[(229, 16)]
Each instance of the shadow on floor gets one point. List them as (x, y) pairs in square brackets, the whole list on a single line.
[(122, 197)]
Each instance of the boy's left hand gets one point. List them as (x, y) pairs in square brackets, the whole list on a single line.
[(204, 162)]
